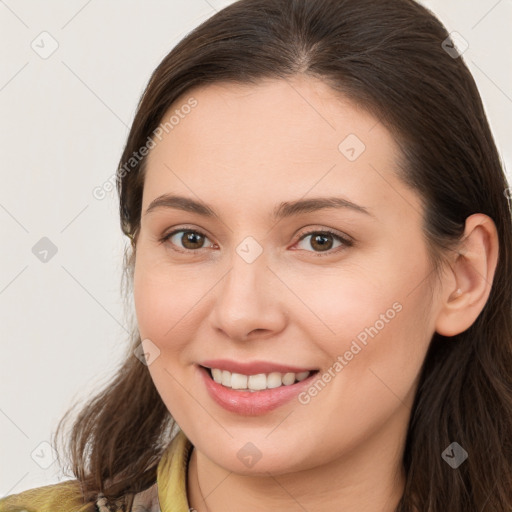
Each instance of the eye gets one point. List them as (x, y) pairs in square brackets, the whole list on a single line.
[(322, 241), (190, 239)]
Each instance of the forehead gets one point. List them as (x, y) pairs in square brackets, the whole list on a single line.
[(279, 140), (284, 114)]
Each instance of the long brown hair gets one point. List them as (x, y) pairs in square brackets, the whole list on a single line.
[(389, 57)]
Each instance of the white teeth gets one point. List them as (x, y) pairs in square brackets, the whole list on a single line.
[(301, 376), (288, 379), (274, 380), (226, 378), (238, 381), (217, 375), (256, 382)]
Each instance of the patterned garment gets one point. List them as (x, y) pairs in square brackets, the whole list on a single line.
[(167, 494), (145, 501)]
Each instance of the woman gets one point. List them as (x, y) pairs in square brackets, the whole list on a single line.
[(321, 266)]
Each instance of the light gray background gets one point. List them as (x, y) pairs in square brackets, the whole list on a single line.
[(64, 120)]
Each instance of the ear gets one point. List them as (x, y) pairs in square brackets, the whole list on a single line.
[(466, 291)]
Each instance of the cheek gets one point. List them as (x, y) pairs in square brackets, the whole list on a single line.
[(368, 295), (344, 303), (371, 372), (372, 322), (164, 298)]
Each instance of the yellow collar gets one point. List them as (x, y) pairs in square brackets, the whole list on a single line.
[(169, 492), (172, 475)]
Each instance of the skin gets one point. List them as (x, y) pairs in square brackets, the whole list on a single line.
[(243, 150)]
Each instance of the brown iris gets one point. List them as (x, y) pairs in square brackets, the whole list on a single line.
[(324, 241), (195, 239)]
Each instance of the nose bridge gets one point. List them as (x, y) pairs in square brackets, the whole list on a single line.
[(244, 286), (244, 301), (248, 268)]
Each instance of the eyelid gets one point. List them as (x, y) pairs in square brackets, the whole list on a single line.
[(166, 238), (339, 234), (346, 240)]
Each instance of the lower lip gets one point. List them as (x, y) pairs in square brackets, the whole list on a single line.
[(248, 403)]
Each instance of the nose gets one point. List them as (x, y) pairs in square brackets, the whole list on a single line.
[(248, 302)]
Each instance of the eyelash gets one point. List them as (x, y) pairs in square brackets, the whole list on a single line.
[(344, 240)]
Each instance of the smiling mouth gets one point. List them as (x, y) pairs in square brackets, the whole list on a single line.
[(257, 382)]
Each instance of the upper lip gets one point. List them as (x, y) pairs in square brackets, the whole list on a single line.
[(252, 368)]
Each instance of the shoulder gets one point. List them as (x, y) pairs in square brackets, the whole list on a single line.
[(62, 497)]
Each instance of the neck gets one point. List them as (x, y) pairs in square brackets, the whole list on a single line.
[(370, 478)]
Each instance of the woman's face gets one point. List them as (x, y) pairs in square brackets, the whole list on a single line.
[(251, 283)]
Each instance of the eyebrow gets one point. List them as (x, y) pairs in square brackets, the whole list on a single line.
[(281, 211)]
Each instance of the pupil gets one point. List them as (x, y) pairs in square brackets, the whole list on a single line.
[(324, 245), (193, 238)]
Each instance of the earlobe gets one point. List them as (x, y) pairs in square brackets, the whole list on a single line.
[(473, 272)]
